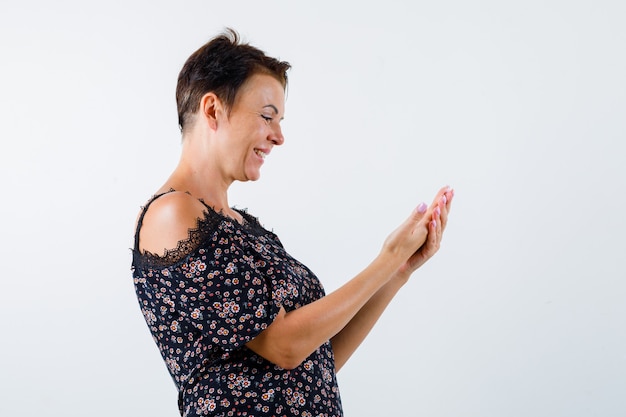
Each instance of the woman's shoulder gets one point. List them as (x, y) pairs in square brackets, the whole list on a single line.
[(168, 219)]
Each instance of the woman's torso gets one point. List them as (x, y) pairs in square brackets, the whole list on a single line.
[(204, 300)]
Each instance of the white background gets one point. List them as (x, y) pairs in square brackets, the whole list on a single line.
[(520, 106)]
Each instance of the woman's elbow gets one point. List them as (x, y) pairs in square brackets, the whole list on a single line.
[(290, 360), (285, 356)]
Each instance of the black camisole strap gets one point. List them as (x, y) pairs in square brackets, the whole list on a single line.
[(143, 213)]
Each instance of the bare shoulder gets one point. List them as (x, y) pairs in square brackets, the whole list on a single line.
[(168, 221)]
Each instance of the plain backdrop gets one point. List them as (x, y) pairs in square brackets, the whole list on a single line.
[(519, 105)]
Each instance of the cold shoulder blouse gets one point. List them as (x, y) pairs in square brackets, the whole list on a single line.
[(204, 300)]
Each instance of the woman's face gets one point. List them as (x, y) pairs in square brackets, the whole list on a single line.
[(253, 127)]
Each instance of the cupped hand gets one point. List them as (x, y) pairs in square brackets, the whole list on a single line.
[(411, 235), (439, 211)]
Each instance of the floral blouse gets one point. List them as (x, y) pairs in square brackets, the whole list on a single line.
[(204, 300)]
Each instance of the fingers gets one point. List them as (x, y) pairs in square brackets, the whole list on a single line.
[(436, 228), (434, 220), (443, 202), (449, 195), (434, 232), (438, 211), (442, 205), (444, 196)]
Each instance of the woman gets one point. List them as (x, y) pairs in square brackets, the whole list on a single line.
[(244, 328)]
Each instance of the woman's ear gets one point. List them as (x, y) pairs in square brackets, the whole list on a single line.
[(210, 108)]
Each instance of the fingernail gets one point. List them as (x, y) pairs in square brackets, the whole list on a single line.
[(433, 224), (437, 211), (422, 208), (444, 199)]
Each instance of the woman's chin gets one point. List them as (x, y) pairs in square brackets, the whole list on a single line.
[(252, 176)]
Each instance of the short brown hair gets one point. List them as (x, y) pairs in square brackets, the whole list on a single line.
[(221, 66)]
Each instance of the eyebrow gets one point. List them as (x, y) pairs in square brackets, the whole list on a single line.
[(273, 107)]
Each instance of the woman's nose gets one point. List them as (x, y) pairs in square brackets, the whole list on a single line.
[(276, 136)]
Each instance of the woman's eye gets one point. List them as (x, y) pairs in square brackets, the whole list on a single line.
[(266, 118)]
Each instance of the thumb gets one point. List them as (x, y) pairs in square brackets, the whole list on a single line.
[(419, 212)]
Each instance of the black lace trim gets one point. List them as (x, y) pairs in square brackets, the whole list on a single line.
[(207, 226)]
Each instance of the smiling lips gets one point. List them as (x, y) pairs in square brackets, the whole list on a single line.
[(261, 153)]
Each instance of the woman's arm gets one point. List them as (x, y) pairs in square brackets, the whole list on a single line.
[(351, 336), (293, 336)]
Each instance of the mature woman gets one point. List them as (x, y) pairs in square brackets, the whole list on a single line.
[(244, 328)]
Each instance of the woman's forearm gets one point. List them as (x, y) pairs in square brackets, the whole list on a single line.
[(352, 335)]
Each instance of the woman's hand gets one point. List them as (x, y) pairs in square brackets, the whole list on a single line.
[(409, 236), (439, 210)]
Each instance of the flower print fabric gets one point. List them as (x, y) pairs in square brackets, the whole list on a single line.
[(204, 300)]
